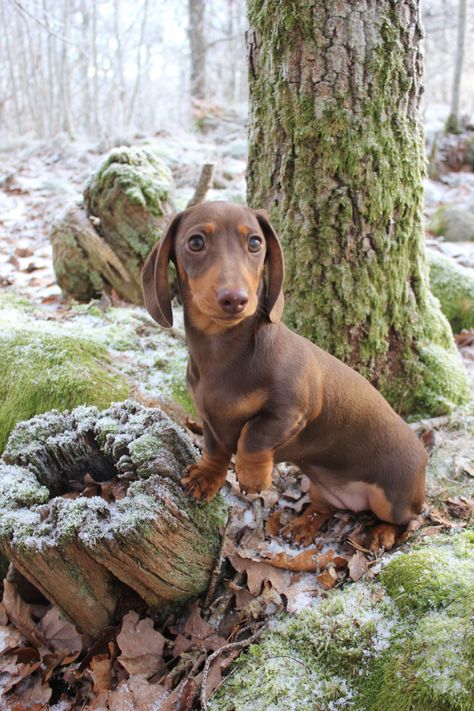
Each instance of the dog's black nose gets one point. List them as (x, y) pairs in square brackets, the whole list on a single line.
[(233, 301)]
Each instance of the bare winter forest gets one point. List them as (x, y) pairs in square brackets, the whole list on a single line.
[(351, 122), (108, 69)]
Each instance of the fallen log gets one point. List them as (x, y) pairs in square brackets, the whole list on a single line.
[(92, 508)]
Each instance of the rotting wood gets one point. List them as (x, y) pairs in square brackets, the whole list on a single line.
[(87, 554)]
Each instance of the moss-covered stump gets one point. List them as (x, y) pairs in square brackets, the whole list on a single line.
[(43, 367), (405, 643), (84, 264), (454, 287), (127, 203), (131, 196), (85, 552)]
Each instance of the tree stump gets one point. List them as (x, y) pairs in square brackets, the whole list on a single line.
[(85, 551), (104, 243)]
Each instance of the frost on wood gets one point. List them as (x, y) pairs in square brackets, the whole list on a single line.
[(85, 554), (336, 156), (127, 204)]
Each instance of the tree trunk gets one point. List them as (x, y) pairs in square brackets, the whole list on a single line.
[(336, 156), (453, 124), (198, 46), (129, 526)]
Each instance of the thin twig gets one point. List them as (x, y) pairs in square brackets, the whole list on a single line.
[(232, 645), (203, 185), (357, 546), (259, 522), (217, 567)]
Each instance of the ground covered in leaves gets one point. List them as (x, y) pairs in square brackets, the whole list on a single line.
[(182, 661)]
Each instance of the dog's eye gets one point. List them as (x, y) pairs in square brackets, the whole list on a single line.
[(255, 243), (196, 243)]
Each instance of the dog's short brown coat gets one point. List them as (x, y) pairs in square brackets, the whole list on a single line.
[(265, 393)]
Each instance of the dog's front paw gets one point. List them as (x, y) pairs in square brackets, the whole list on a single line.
[(202, 482), (254, 471)]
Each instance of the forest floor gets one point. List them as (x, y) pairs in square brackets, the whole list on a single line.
[(44, 662)]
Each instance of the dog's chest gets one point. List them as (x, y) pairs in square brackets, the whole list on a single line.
[(223, 401)]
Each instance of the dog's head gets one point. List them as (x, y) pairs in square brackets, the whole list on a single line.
[(225, 255)]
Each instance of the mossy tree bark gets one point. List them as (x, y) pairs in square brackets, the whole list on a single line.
[(336, 156)]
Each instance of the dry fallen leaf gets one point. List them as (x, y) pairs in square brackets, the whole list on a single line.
[(328, 579), (304, 562), (258, 572), (101, 672), (272, 525), (357, 565), (60, 634), (197, 633), (134, 694), (141, 645), (460, 507), (19, 613), (31, 694), (10, 638), (3, 614)]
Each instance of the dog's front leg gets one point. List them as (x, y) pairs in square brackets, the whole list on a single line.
[(257, 442), (204, 479)]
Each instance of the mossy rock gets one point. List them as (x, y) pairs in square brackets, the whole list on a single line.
[(455, 224), (454, 287), (43, 368), (131, 195), (403, 643), (85, 552)]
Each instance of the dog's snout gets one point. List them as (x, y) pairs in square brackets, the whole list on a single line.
[(232, 301)]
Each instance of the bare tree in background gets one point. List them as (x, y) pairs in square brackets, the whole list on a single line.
[(108, 68), (198, 46), (453, 124)]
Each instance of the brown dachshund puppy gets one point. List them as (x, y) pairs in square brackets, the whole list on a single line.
[(267, 394)]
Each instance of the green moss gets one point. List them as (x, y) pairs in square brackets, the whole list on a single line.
[(454, 287), (425, 580), (367, 648), (180, 394), (340, 168), (46, 370), (140, 173), (429, 669), (437, 222)]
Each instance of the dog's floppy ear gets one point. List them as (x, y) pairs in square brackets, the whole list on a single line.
[(155, 283), (275, 269)]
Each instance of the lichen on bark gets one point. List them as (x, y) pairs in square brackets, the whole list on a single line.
[(336, 157)]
